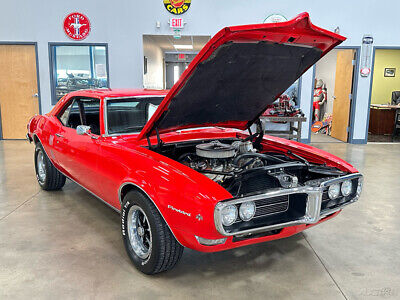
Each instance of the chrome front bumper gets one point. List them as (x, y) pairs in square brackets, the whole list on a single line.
[(313, 212)]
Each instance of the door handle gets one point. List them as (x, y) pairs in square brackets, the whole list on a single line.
[(59, 135), (36, 95)]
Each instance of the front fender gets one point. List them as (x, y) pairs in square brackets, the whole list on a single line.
[(184, 197)]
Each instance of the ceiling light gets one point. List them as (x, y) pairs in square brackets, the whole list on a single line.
[(183, 47)]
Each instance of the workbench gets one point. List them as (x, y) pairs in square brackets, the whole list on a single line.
[(293, 132)]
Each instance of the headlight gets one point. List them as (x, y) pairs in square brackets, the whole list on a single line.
[(247, 210), (229, 215), (359, 186), (346, 188), (334, 191)]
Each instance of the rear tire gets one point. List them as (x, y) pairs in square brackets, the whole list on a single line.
[(148, 240), (48, 177)]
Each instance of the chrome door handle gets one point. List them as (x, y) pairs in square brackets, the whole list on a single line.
[(36, 95), (59, 135)]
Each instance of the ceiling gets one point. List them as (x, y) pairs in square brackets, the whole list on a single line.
[(167, 42)]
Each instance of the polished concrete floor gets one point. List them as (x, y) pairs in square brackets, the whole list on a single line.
[(67, 244), (323, 138)]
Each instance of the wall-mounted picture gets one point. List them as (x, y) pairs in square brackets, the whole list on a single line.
[(390, 72)]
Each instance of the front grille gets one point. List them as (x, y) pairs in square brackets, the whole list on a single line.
[(269, 206), (271, 211), (300, 205)]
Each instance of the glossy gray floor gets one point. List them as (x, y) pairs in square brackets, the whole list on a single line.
[(67, 244)]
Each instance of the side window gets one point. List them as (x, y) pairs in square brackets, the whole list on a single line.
[(84, 111), (70, 113), (74, 115), (64, 116), (91, 117)]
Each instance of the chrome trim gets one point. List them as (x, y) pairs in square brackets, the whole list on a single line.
[(109, 205), (332, 181), (312, 215), (106, 134), (140, 188)]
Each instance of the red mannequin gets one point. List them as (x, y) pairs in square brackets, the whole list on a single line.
[(320, 97)]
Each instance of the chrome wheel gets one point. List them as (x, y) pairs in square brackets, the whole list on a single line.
[(41, 170), (139, 232)]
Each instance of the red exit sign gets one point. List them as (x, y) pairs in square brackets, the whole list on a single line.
[(176, 23)]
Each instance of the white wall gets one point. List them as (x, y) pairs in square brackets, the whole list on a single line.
[(122, 23), (325, 69), (155, 75)]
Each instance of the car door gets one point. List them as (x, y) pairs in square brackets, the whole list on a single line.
[(78, 154)]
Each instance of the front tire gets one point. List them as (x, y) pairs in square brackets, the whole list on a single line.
[(48, 177), (148, 241)]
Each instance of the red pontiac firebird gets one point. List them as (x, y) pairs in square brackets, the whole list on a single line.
[(190, 167)]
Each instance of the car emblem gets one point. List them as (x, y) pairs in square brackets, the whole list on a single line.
[(76, 26)]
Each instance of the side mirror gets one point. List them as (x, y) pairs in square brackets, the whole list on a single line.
[(83, 129)]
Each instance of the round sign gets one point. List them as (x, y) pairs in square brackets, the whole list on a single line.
[(76, 26), (365, 71), (275, 18), (177, 7)]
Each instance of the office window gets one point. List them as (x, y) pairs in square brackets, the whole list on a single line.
[(77, 67)]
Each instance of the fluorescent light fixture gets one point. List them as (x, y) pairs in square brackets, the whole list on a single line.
[(184, 47)]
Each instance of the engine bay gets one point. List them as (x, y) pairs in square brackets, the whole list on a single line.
[(242, 169)]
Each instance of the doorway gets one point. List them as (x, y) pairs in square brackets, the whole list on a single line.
[(166, 58), (19, 98), (173, 71), (384, 111), (333, 96)]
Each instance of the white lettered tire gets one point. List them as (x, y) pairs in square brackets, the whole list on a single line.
[(148, 241)]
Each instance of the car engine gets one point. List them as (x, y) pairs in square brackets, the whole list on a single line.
[(241, 169)]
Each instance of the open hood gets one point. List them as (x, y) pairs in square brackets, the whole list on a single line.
[(240, 71)]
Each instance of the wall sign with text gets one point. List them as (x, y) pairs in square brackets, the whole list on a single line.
[(177, 7), (76, 26)]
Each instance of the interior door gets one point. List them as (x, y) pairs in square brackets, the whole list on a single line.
[(342, 96), (173, 71), (18, 89)]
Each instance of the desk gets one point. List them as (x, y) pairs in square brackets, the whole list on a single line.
[(290, 133), (382, 119)]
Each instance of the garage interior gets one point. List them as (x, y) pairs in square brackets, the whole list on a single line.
[(67, 244)]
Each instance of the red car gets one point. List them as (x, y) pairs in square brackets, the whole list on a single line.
[(190, 167)]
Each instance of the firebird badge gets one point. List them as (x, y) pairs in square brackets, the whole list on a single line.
[(179, 211), (177, 7)]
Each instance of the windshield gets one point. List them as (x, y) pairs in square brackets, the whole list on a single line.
[(129, 115)]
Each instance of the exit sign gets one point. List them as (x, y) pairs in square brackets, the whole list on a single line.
[(176, 23)]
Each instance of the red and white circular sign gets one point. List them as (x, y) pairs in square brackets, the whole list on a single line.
[(76, 26)]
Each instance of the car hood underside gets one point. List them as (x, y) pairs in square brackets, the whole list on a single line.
[(239, 72)]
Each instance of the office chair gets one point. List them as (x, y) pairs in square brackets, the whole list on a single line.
[(395, 97)]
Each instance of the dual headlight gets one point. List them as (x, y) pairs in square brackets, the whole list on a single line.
[(230, 213), (345, 188)]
